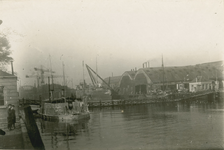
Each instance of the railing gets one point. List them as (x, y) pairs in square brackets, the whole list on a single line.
[(29, 102)]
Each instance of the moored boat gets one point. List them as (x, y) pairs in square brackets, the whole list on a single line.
[(62, 110)]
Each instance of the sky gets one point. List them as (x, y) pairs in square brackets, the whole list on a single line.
[(113, 36)]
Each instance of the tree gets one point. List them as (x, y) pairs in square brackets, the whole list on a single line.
[(4, 51)]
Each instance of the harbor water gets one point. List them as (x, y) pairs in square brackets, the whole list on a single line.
[(180, 125)]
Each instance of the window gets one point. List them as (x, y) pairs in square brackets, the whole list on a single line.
[(1, 96)]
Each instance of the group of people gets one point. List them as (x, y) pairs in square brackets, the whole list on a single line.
[(11, 117)]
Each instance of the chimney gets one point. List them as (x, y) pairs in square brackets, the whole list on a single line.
[(12, 67)]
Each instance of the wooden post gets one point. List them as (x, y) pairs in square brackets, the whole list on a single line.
[(40, 103), (23, 102), (32, 129), (49, 89), (112, 103)]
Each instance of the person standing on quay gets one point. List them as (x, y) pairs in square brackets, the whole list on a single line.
[(13, 116), (9, 117)]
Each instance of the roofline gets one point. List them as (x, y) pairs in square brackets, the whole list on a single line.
[(145, 74), (3, 77), (211, 62)]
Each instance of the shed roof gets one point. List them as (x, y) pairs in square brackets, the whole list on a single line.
[(5, 74)]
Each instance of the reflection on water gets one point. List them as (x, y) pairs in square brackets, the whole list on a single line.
[(196, 125)]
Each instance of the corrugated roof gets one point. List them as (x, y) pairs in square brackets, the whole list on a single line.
[(205, 71), (131, 73)]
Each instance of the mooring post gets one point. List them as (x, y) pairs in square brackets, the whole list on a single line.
[(32, 129), (112, 103), (40, 103), (41, 106), (124, 102), (23, 102)]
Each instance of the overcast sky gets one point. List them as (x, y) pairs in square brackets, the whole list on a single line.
[(121, 34)]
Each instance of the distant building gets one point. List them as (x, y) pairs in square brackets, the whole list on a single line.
[(112, 81), (191, 78), (127, 83), (8, 89)]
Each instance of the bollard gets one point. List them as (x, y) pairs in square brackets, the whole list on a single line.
[(112, 103), (23, 102), (40, 103), (32, 129)]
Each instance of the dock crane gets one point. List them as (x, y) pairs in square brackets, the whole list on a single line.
[(38, 77), (42, 71), (35, 76), (51, 89), (114, 93)]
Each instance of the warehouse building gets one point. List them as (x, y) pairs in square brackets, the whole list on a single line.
[(190, 78)]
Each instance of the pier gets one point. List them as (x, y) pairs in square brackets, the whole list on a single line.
[(137, 101)]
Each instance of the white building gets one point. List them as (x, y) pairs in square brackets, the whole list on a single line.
[(8, 89)]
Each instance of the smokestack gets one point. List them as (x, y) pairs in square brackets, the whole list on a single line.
[(143, 65), (12, 67)]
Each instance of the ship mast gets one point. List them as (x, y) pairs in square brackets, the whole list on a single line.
[(163, 73), (83, 77), (52, 80), (96, 71), (64, 91)]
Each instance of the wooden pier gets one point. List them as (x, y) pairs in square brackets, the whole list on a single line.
[(138, 101)]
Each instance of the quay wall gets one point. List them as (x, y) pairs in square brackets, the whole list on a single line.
[(210, 95)]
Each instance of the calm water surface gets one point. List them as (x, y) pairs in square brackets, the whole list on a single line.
[(198, 125)]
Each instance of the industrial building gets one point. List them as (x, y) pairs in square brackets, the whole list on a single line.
[(190, 78)]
